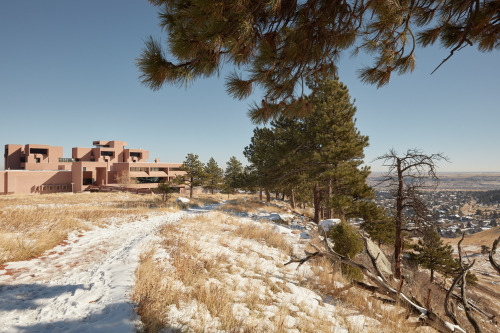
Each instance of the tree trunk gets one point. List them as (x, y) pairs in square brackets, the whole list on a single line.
[(398, 246), (268, 195), (260, 193), (191, 189), (292, 199), (432, 275), (316, 200), (328, 214), (283, 196), (277, 195), (212, 190)]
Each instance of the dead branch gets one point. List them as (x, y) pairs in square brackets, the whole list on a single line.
[(471, 319), (473, 306), (447, 310), (495, 265), (427, 317)]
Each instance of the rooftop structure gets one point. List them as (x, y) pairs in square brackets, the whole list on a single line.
[(33, 168)]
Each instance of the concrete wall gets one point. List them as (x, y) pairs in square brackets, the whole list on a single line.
[(2, 181), (31, 182), (12, 156)]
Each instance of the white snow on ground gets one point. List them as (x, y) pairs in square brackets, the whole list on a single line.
[(82, 285), (327, 224)]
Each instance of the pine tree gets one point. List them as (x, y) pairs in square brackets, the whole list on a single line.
[(213, 175), (430, 252), (332, 150), (195, 172), (320, 155), (347, 243), (233, 174), (283, 43)]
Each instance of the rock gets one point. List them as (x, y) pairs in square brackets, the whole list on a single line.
[(327, 224), (383, 264)]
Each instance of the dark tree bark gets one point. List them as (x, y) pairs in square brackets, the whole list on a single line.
[(317, 200), (406, 176), (292, 198), (495, 265)]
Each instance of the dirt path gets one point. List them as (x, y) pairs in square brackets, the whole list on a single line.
[(82, 285)]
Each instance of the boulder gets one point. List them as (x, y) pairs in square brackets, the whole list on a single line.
[(383, 264), (327, 224)]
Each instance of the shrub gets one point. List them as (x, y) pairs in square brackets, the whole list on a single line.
[(348, 243)]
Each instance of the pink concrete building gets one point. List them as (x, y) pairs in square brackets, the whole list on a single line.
[(42, 169)]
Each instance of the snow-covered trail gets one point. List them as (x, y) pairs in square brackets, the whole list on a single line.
[(82, 285)]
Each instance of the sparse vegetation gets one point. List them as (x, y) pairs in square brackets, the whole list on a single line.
[(31, 225)]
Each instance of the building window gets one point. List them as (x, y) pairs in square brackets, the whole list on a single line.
[(38, 151), (174, 169), (138, 155), (88, 181), (84, 169), (44, 188), (23, 159), (107, 153), (50, 187), (138, 169), (58, 188), (156, 169), (64, 187), (37, 160)]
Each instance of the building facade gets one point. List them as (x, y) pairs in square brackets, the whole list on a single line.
[(39, 169)]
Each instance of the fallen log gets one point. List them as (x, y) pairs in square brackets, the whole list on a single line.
[(426, 316)]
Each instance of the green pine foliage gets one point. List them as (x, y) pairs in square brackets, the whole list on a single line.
[(214, 176), (318, 158), (348, 243), (195, 171), (430, 252), (233, 175), (280, 44), (165, 188)]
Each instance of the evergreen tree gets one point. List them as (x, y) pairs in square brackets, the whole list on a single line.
[(233, 174), (321, 154), (165, 188), (347, 243), (283, 43), (332, 150), (195, 172), (430, 252), (213, 175)]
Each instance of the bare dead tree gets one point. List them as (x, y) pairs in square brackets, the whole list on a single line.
[(406, 177), (464, 268), (379, 285), (495, 265)]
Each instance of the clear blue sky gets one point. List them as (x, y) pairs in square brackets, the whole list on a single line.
[(68, 77)]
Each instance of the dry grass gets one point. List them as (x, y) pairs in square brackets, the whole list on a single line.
[(31, 225), (249, 204), (230, 291), (221, 273), (266, 234)]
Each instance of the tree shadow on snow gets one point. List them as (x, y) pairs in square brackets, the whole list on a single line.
[(26, 296)]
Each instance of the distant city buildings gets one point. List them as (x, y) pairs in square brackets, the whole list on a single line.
[(39, 169)]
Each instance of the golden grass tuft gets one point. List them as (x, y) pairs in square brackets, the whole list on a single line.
[(31, 225), (265, 234)]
